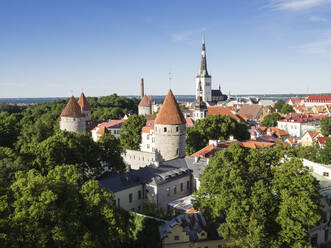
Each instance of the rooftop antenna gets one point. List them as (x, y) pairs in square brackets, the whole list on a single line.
[(170, 78)]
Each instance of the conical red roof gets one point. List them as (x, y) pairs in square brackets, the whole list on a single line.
[(146, 101), (83, 103), (170, 113), (72, 109)]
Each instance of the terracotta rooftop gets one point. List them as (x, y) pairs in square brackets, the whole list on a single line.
[(189, 122), (170, 113), (299, 118), (256, 144), (72, 109), (322, 140), (219, 110), (146, 101), (312, 134), (148, 127), (102, 130), (319, 98), (83, 103), (251, 110), (112, 124)]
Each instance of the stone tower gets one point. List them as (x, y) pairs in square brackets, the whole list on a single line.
[(170, 130), (203, 78), (85, 107), (72, 119)]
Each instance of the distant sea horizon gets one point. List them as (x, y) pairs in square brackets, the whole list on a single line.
[(156, 98)]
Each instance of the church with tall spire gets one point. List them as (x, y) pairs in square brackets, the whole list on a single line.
[(203, 81)]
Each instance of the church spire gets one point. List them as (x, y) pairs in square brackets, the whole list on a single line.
[(203, 67)]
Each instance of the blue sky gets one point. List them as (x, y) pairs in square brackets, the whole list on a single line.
[(59, 48)]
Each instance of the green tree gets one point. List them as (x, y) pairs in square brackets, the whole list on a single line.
[(325, 152), (325, 124), (286, 109), (130, 134), (271, 120), (9, 129), (214, 127), (57, 210), (110, 152), (278, 105), (253, 197), (68, 148)]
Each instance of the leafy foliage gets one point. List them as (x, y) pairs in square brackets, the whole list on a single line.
[(325, 124), (315, 153), (286, 109), (271, 120), (130, 134), (214, 127), (278, 105), (254, 198)]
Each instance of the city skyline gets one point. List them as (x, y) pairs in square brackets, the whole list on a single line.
[(58, 49)]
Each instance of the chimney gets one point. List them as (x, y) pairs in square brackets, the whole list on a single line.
[(142, 87)]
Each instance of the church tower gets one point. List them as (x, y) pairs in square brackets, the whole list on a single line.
[(203, 80), (170, 130)]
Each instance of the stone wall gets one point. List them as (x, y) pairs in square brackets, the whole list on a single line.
[(77, 125), (136, 159), (170, 141), (144, 110)]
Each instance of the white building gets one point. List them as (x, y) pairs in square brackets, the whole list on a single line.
[(113, 127), (297, 125)]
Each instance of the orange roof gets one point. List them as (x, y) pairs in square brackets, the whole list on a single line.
[(204, 151), (322, 140), (83, 103), (312, 134), (170, 113), (292, 140), (319, 98), (146, 101), (72, 109), (219, 110), (102, 130), (279, 132), (255, 144)]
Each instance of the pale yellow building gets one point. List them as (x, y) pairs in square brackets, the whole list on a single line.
[(188, 230)]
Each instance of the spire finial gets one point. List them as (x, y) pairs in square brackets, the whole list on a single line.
[(203, 67)]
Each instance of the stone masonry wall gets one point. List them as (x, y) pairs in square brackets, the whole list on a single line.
[(77, 125)]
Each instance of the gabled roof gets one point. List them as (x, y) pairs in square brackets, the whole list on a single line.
[(72, 109), (219, 110), (251, 110), (170, 113), (146, 101), (312, 134), (322, 140), (112, 124), (102, 130), (83, 103)]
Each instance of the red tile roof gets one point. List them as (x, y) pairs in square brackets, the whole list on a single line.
[(299, 118), (83, 103), (322, 140), (148, 127), (170, 113), (219, 110), (112, 124), (189, 122), (102, 130), (72, 109), (312, 134), (319, 98)]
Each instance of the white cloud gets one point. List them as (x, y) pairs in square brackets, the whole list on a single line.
[(296, 5), (186, 35), (317, 19), (321, 46)]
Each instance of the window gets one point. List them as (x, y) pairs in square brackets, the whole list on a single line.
[(147, 137), (130, 197), (118, 202), (177, 151), (165, 129), (181, 187), (168, 191), (139, 194), (188, 185), (176, 237), (177, 129), (147, 146), (326, 174), (175, 190), (153, 140)]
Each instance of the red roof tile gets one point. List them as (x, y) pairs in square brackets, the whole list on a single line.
[(146, 101), (319, 98), (170, 113), (322, 140), (72, 109), (219, 110)]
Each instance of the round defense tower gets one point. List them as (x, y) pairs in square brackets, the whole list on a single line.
[(145, 105), (72, 119), (170, 130)]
